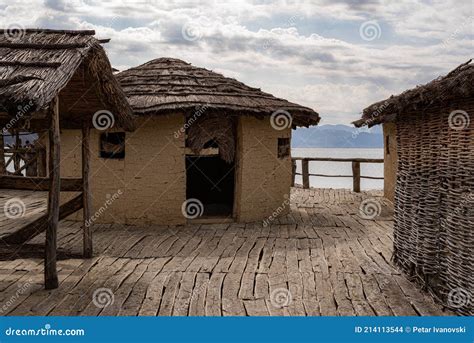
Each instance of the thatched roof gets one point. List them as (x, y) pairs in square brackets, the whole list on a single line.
[(164, 85), (38, 64), (456, 85)]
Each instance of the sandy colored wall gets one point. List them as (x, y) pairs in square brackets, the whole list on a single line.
[(263, 180), (147, 186), (390, 159)]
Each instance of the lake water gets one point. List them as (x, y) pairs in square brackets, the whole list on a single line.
[(340, 168)]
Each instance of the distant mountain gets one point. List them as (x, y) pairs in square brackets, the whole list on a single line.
[(337, 136)]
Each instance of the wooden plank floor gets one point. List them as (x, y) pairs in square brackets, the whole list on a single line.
[(321, 259)]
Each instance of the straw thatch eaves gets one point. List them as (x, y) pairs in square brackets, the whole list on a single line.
[(165, 85), (37, 64), (458, 84)]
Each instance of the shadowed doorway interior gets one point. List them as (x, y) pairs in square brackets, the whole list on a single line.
[(211, 180)]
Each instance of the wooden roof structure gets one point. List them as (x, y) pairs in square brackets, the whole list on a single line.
[(457, 84), (165, 85), (38, 64), (52, 79)]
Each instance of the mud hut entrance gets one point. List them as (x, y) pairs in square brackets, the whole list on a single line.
[(211, 180), (210, 176)]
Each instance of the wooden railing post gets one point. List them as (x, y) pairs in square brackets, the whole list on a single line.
[(50, 271), (293, 172), (2, 154), (41, 161), (305, 172), (87, 212), (356, 176)]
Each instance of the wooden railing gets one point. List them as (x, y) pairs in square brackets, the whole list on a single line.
[(355, 169), (28, 160)]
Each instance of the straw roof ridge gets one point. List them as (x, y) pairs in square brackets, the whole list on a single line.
[(457, 84), (37, 64), (164, 85)]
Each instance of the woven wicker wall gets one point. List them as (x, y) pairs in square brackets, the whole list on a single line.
[(434, 203)]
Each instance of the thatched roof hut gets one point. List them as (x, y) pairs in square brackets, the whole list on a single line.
[(432, 127), (38, 64), (457, 84), (206, 148), (167, 84)]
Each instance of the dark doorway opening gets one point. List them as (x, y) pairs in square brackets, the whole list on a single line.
[(211, 180)]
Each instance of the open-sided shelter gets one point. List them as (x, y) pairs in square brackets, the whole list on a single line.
[(51, 80)]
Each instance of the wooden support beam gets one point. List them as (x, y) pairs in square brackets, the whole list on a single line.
[(42, 163), (305, 171), (39, 225), (2, 155), (16, 155), (87, 210), (356, 176), (50, 270), (35, 183), (293, 172)]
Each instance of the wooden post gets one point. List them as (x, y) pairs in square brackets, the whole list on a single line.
[(50, 271), (305, 172), (16, 151), (293, 172), (87, 238), (3, 170), (41, 161), (356, 176)]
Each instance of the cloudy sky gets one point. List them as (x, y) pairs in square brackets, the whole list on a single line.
[(336, 56)]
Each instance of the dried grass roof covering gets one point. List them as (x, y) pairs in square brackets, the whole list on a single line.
[(458, 84), (37, 64), (166, 84)]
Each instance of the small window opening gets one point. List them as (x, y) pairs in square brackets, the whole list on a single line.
[(283, 147), (112, 145)]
